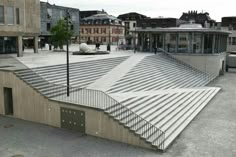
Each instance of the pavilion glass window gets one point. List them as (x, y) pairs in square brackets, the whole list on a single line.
[(217, 39), (1, 14), (197, 43), (10, 15), (208, 40), (171, 42), (183, 42)]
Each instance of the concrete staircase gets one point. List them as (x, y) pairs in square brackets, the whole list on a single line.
[(171, 113), (47, 80), (157, 118), (160, 72)]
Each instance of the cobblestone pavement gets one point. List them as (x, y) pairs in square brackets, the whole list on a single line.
[(211, 134)]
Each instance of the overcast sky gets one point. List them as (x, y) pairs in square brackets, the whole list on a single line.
[(155, 8)]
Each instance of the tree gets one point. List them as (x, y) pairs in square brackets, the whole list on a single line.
[(60, 34)]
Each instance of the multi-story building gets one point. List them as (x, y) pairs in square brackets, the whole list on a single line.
[(18, 19), (159, 22), (229, 23), (51, 14), (129, 20), (101, 28), (200, 18), (87, 13)]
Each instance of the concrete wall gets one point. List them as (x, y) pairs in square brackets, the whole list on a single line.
[(211, 64), (32, 106), (32, 17), (29, 18)]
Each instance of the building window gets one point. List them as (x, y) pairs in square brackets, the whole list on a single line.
[(1, 14), (82, 31), (134, 25), (96, 30), (183, 42), (230, 41), (197, 43), (103, 39), (89, 31), (103, 30), (72, 27), (171, 42), (10, 15), (74, 19), (17, 16), (61, 14), (49, 11), (114, 39), (208, 41), (233, 40), (48, 26)]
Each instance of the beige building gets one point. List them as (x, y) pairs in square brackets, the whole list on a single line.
[(229, 24), (101, 28), (18, 19)]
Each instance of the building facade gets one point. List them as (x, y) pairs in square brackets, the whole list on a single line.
[(199, 18), (18, 19), (51, 14), (101, 28), (229, 24), (129, 20)]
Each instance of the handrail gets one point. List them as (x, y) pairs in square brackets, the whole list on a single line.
[(188, 65), (99, 99)]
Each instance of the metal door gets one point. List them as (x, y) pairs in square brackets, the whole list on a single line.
[(73, 119)]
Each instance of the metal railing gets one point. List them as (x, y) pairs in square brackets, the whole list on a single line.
[(101, 100), (204, 74)]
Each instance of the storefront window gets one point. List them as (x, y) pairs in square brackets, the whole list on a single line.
[(8, 45)]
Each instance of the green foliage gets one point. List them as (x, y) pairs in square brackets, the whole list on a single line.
[(60, 34)]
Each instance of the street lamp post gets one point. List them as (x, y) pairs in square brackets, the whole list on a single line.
[(135, 39), (67, 55)]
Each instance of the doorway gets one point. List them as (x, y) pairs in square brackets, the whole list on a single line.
[(8, 102), (222, 70)]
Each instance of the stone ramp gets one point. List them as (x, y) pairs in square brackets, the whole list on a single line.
[(159, 72), (105, 82)]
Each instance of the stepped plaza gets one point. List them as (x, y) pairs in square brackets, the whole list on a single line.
[(143, 99)]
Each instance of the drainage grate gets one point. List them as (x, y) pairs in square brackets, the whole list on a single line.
[(18, 155), (8, 126), (6, 66)]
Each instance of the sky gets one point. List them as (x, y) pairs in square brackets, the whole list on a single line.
[(154, 8)]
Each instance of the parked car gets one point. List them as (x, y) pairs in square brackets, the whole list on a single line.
[(230, 60)]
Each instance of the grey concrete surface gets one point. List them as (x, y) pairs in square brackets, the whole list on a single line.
[(211, 134)]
